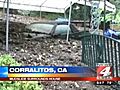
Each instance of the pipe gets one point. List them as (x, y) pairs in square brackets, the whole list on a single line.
[(69, 21), (7, 25)]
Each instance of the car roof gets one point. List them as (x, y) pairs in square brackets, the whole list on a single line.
[(51, 22)]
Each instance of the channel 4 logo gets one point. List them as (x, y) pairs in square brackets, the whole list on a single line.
[(104, 71)]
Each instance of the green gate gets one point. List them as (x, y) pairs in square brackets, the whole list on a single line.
[(101, 49)]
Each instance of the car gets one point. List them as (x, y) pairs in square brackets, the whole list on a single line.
[(48, 29), (51, 28)]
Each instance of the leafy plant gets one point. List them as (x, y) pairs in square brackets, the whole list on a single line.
[(6, 60), (20, 85)]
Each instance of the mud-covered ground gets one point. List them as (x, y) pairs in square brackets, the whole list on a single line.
[(50, 51), (46, 51)]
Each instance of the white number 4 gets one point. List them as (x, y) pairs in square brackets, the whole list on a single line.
[(106, 71)]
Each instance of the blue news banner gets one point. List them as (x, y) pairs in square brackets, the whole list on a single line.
[(32, 73)]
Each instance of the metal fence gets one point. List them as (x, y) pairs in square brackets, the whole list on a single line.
[(101, 49)]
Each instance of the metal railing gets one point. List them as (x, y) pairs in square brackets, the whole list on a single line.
[(101, 49)]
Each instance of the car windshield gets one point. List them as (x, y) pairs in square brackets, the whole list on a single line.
[(39, 27), (61, 29)]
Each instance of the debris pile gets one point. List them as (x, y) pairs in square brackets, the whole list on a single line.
[(47, 51)]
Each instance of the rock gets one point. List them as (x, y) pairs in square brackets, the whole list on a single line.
[(16, 48), (69, 51), (22, 50), (61, 46), (39, 57), (51, 46), (74, 43)]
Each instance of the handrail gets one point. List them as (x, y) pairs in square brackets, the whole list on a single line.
[(101, 49)]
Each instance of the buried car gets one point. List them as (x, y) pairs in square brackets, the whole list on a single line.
[(42, 29)]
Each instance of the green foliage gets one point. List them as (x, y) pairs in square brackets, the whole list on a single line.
[(6, 60), (117, 5), (21, 85), (78, 12), (51, 16), (46, 15), (117, 19), (108, 17), (35, 13), (24, 12)]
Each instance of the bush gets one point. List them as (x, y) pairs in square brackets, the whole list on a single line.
[(7, 60)]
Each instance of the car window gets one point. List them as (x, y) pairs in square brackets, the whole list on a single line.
[(61, 29), (43, 28)]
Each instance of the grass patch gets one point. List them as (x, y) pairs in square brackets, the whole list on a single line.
[(7, 60)]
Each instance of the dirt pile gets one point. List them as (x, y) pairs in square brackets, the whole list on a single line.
[(16, 32), (47, 51), (55, 52)]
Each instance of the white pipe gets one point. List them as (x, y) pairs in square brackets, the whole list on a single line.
[(69, 21), (7, 25)]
